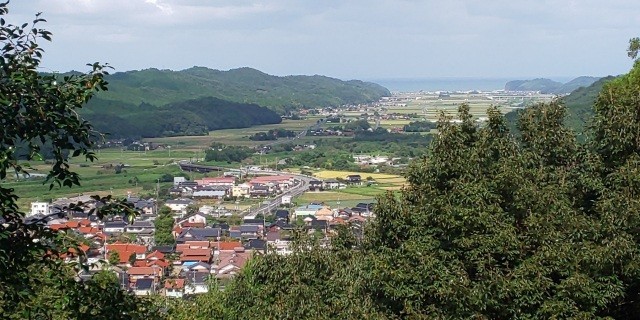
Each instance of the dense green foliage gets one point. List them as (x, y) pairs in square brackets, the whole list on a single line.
[(245, 85), (272, 134), (164, 227), (191, 117), (419, 126), (549, 86), (38, 110), (357, 125)]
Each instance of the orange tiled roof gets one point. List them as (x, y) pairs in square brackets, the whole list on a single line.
[(73, 224), (174, 284), (144, 271), (122, 247), (88, 230), (155, 255), (226, 245), (159, 263), (58, 226)]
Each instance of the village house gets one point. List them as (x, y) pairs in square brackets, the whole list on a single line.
[(174, 288), (196, 282), (144, 287), (228, 263), (308, 210), (125, 250), (277, 243), (39, 208), (283, 182), (241, 190), (211, 192), (315, 185), (332, 184), (111, 227), (354, 179), (191, 234), (179, 205)]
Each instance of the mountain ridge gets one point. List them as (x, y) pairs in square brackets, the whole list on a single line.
[(548, 86), (243, 85)]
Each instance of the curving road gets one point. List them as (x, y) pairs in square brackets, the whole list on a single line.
[(300, 186)]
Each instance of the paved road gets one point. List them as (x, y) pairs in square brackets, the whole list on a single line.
[(301, 185)]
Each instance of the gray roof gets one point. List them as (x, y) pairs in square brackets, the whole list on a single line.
[(256, 244), (197, 277), (199, 234), (115, 224), (142, 224), (180, 201), (255, 222), (249, 228)]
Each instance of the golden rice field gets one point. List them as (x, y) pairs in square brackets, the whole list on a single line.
[(332, 174)]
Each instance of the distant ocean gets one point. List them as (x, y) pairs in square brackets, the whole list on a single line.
[(448, 84)]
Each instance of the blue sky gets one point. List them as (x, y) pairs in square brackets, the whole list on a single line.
[(348, 39)]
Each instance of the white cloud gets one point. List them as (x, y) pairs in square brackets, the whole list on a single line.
[(347, 38), (165, 8)]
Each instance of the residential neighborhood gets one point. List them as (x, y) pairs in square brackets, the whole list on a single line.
[(208, 243)]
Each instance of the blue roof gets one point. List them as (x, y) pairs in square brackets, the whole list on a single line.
[(311, 207)]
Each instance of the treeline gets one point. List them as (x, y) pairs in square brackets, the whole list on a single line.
[(420, 126), (192, 117), (272, 134)]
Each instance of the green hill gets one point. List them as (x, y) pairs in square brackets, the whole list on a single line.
[(191, 117), (549, 86), (540, 84), (244, 85), (579, 105)]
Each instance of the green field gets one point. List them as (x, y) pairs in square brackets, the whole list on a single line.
[(332, 199), (238, 137), (430, 106), (139, 176)]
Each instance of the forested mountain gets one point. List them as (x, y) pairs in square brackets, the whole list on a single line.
[(549, 86), (579, 106), (191, 117), (245, 85)]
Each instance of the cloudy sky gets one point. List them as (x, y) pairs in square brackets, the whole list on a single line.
[(364, 39)]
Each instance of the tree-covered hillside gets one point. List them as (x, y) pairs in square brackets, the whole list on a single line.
[(191, 117), (245, 85), (549, 86), (579, 106)]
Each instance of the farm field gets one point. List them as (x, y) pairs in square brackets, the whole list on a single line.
[(238, 137), (332, 199), (332, 174), (430, 106), (384, 183), (139, 176)]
